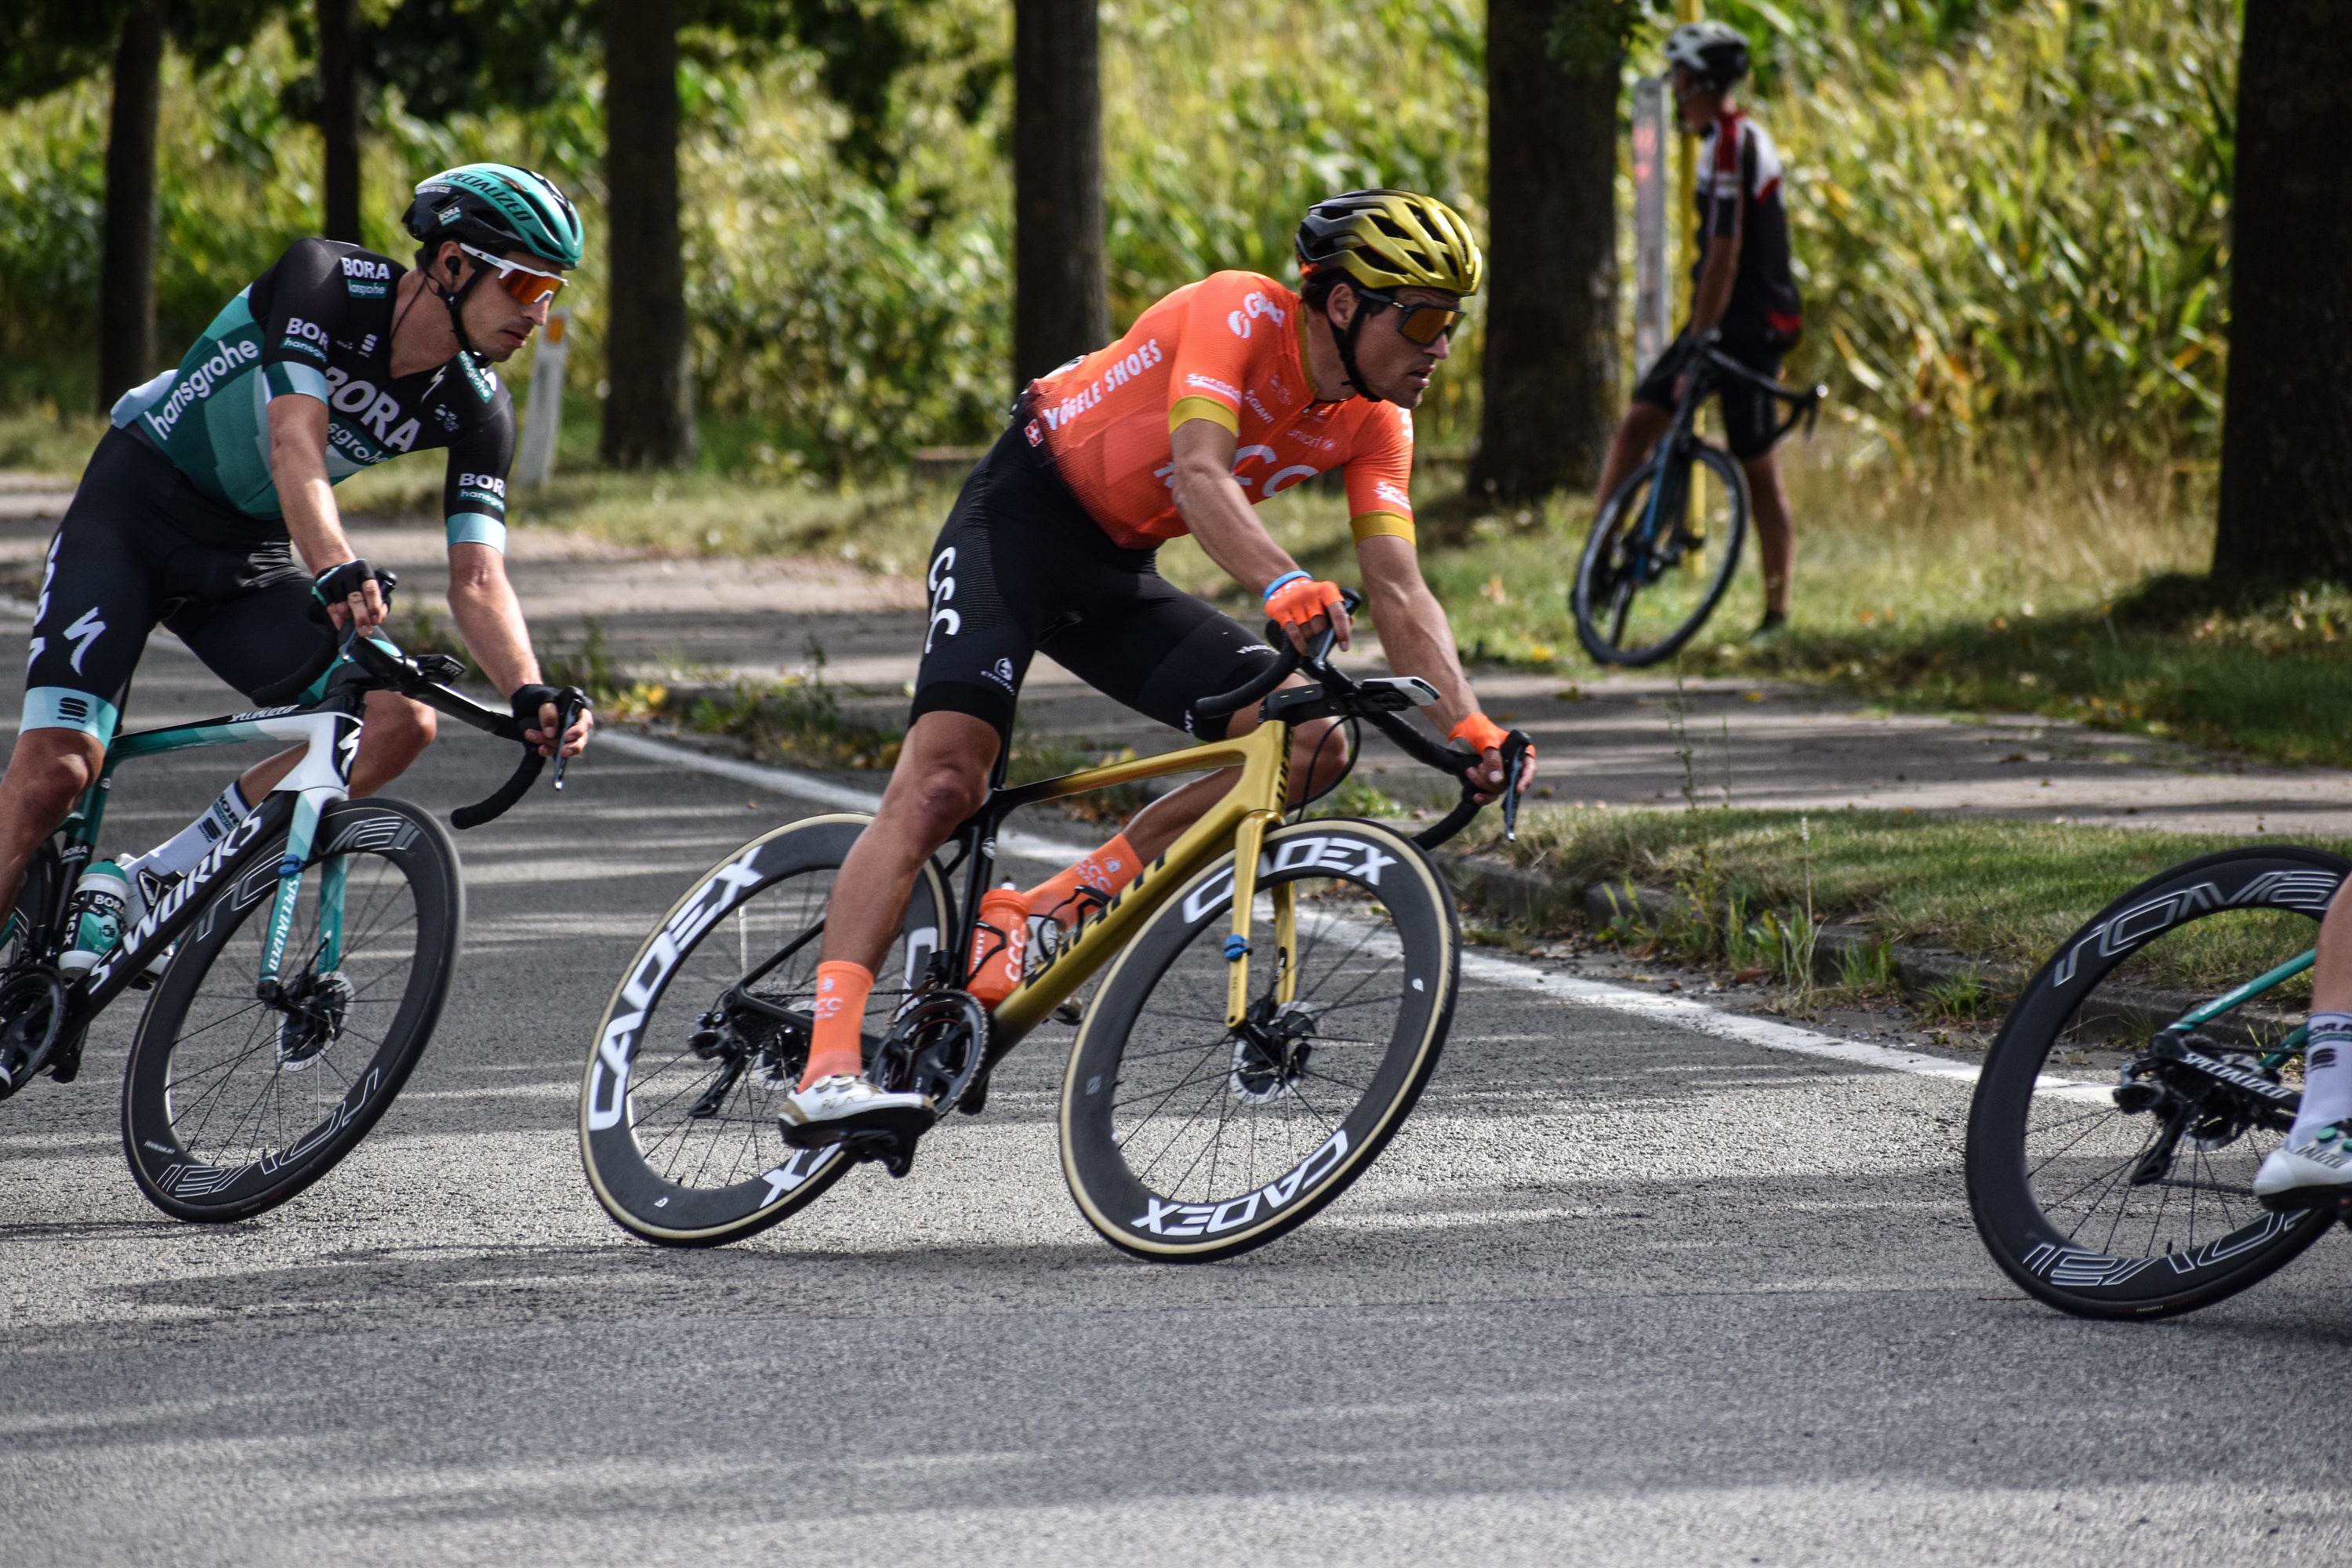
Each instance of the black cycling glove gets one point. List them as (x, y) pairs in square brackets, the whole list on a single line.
[(529, 700), (337, 583)]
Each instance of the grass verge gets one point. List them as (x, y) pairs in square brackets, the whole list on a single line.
[(2002, 892)]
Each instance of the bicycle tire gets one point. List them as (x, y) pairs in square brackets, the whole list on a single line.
[(1123, 1048), (2046, 1154), (313, 1100), (1607, 585), (680, 1185)]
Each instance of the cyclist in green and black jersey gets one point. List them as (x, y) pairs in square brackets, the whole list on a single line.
[(192, 510)]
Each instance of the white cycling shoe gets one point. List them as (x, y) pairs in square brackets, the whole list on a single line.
[(2317, 1170), (835, 1108)]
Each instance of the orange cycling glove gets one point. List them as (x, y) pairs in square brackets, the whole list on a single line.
[(1480, 733), (1298, 599)]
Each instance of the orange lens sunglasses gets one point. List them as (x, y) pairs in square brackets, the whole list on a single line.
[(527, 284)]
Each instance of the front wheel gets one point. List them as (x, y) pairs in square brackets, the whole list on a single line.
[(1661, 557), (1184, 1140), (232, 1104), (2110, 1158)]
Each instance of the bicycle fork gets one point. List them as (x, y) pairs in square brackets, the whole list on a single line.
[(1249, 840), (320, 780)]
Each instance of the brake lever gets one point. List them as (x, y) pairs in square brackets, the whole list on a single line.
[(1350, 602), (1515, 747), (565, 717)]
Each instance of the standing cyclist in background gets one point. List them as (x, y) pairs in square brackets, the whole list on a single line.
[(193, 507), (1742, 288), (1222, 393)]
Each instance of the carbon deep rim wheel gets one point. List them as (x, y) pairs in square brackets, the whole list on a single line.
[(231, 1107), (2060, 1178), (679, 1104), (1183, 1140), (1631, 612)]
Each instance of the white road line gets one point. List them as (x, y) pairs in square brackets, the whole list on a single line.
[(1680, 1011)]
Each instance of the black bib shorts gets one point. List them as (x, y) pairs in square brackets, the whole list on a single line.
[(1021, 569), (142, 547)]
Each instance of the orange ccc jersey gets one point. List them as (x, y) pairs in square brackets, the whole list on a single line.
[(1230, 349)]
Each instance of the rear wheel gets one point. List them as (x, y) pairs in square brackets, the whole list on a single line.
[(1661, 557), (231, 1105), (1184, 1140), (709, 1030), (2110, 1174)]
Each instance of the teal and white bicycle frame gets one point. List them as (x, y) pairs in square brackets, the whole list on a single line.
[(2287, 1050), (321, 779)]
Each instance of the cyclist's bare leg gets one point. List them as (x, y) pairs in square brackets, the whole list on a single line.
[(2311, 1155), (2327, 1076), (2331, 977), (1636, 433), (397, 733), (1776, 539), (941, 779), (47, 771)]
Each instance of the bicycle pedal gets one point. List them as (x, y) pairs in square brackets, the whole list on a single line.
[(902, 1126), (1071, 1012), (893, 1153), (975, 1099)]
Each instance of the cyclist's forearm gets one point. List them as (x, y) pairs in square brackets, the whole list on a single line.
[(1713, 296), (1212, 505), (1415, 634), (483, 604), (298, 467)]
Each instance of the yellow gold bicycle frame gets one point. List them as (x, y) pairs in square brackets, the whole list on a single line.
[(1239, 821)]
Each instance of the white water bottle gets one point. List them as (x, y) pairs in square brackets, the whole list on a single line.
[(100, 900)]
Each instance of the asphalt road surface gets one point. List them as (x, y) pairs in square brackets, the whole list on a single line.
[(1619, 1292)]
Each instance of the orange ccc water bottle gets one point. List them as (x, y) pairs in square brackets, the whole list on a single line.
[(999, 944)]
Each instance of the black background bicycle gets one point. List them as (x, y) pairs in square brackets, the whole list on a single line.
[(1665, 546)]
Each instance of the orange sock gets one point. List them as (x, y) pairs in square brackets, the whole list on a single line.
[(1108, 870), (835, 1048)]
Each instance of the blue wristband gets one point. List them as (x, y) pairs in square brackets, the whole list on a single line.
[(1282, 582)]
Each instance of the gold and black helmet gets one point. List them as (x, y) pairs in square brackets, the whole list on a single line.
[(1392, 239)]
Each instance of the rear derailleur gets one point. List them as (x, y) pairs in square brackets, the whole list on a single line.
[(2205, 1094)]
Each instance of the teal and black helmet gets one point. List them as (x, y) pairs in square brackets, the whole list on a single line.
[(497, 207)]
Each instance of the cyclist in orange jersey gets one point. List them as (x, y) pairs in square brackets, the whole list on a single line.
[(1223, 392)]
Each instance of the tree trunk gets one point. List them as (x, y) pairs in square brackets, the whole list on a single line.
[(1550, 372), (126, 329), (339, 116), (2286, 441), (649, 408), (1061, 303)]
